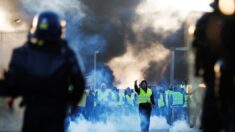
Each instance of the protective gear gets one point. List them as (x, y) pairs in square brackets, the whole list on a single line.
[(215, 4), (145, 97), (43, 82), (46, 26)]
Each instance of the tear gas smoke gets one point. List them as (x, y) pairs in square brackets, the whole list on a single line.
[(104, 76), (110, 26), (127, 123), (132, 37), (130, 66)]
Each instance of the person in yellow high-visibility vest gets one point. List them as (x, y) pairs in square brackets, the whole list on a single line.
[(146, 102), (175, 100), (129, 97), (161, 102)]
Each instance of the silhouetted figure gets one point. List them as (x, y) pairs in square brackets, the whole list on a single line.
[(226, 75), (146, 102), (207, 45), (41, 71)]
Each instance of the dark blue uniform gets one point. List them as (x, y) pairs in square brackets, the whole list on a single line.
[(42, 75)]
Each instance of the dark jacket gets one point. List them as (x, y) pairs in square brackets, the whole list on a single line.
[(42, 75)]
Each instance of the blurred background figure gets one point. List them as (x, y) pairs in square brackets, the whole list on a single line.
[(207, 45), (214, 46), (103, 102), (160, 99), (225, 74), (90, 105), (129, 101), (175, 98), (195, 101), (41, 71)]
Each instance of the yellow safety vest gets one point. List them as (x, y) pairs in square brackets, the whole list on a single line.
[(103, 95), (178, 98), (114, 99), (145, 97), (130, 99), (121, 99), (160, 101)]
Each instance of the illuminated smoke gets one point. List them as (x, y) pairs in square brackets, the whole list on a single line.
[(132, 66), (159, 26), (117, 27), (147, 57)]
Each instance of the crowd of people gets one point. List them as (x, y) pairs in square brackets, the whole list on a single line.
[(98, 104)]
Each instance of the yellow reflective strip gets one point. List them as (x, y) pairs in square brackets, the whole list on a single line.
[(43, 26)]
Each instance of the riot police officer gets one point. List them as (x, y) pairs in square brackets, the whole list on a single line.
[(41, 71)]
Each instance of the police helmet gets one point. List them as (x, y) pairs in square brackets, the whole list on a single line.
[(215, 4), (47, 26)]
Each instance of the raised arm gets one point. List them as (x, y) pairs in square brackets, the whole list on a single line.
[(136, 87)]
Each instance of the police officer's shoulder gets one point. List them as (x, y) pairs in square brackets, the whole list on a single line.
[(203, 20), (65, 49), (20, 50), (19, 55)]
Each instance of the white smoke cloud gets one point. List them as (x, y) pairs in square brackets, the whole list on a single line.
[(123, 123), (130, 123), (130, 66), (86, 126), (167, 15), (113, 124), (158, 123), (162, 17), (181, 125)]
